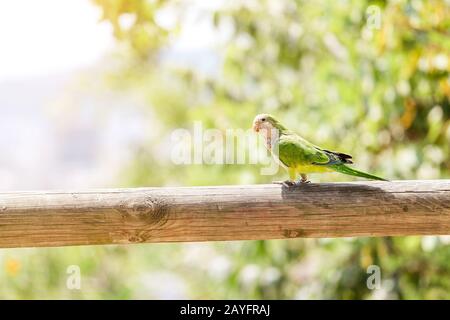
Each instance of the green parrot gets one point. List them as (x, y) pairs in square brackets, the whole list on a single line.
[(299, 156)]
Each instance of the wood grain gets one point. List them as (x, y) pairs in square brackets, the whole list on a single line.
[(119, 216)]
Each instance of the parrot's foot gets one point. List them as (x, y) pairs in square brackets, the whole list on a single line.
[(304, 178), (286, 183)]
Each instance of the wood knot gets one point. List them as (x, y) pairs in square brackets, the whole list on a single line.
[(136, 239), (294, 233), (149, 209)]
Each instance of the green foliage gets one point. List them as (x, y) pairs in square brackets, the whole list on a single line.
[(376, 93)]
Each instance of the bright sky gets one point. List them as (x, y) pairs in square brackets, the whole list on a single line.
[(50, 36)]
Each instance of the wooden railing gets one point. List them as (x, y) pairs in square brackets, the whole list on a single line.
[(119, 216)]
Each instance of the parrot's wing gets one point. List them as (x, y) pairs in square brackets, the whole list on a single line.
[(294, 150), (335, 158)]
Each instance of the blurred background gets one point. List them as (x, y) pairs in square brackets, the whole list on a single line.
[(90, 92)]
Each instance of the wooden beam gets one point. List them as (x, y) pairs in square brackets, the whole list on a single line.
[(119, 216)]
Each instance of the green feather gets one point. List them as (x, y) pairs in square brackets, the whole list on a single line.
[(342, 168)]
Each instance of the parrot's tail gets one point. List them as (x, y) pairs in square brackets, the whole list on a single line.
[(352, 172)]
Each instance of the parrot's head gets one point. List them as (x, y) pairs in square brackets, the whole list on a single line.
[(265, 122)]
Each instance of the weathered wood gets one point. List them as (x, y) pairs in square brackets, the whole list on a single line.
[(31, 219)]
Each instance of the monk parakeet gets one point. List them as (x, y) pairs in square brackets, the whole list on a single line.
[(299, 156)]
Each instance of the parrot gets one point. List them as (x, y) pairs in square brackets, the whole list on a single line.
[(299, 156)]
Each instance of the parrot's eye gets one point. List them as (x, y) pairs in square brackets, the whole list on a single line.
[(263, 119)]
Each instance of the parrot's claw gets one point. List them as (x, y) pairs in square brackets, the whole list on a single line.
[(287, 183), (304, 179)]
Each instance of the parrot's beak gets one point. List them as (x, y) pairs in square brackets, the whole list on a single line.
[(255, 126)]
